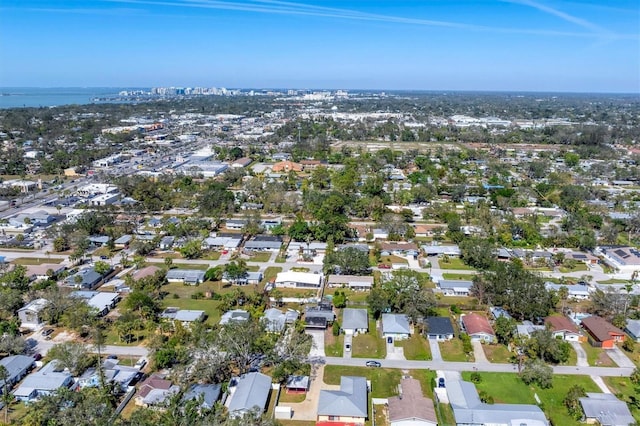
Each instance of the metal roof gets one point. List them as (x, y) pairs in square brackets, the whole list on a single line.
[(251, 391)]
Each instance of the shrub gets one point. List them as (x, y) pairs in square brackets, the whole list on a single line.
[(455, 309), (175, 296), (335, 329), (485, 397), (476, 377)]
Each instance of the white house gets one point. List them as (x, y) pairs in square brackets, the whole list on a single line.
[(293, 279), (395, 326), (30, 314), (354, 321)]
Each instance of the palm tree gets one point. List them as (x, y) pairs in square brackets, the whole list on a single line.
[(7, 397)]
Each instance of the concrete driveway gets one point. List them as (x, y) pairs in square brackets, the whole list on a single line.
[(478, 353), (317, 347), (348, 340), (435, 350), (619, 357), (580, 352)]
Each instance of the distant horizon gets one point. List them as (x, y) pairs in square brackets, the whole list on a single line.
[(537, 46), (326, 89)]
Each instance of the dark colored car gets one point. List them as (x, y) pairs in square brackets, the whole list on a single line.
[(37, 357), (373, 364), (112, 357), (441, 382)]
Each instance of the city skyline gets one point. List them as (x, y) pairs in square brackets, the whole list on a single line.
[(512, 45)]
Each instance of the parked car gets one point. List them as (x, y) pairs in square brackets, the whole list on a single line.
[(141, 363), (384, 266), (347, 347), (37, 356), (373, 364), (441, 382), (47, 332), (112, 357)]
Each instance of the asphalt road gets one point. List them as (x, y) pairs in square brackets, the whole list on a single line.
[(469, 366)]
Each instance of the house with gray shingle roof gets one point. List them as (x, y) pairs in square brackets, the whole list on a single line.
[(250, 392), (17, 367), (355, 321), (349, 404), (395, 326), (605, 409), (633, 329)]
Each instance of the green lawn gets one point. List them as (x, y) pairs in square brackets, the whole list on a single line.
[(212, 255), (34, 260), (458, 277), (198, 266), (393, 259), (291, 397), (184, 300), (260, 256), (384, 382), (427, 379), (497, 353), (597, 357), (451, 350), (369, 345), (623, 389), (415, 348), (577, 268), (454, 263), (333, 345), (614, 281), (358, 297), (509, 388), (270, 273)]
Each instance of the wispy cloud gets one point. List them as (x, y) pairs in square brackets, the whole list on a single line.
[(595, 29), (281, 7)]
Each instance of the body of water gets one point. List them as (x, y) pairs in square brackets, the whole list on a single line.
[(18, 97)]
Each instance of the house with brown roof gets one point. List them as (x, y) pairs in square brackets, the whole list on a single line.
[(400, 249), (286, 166), (147, 271), (150, 387), (477, 327), (241, 162), (602, 334), (310, 164), (411, 407), (563, 328)]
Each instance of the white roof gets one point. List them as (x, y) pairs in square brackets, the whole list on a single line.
[(299, 277)]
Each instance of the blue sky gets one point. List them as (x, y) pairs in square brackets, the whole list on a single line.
[(521, 45)]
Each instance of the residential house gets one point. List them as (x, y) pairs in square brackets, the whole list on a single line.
[(44, 271), (477, 327), (574, 291), (633, 330), (112, 372), (249, 278), (527, 328), (395, 326), (29, 314), (354, 321), (297, 384), (147, 271), (438, 250), (185, 276), (286, 167), (293, 279), (346, 406), (563, 328), (399, 249), (439, 328), (411, 407), (123, 241), (606, 410), (230, 242), (154, 391), (43, 382), (249, 392), (86, 279), (497, 312), (469, 410), (103, 302), (352, 282), (242, 162), (319, 316), (264, 243), (275, 320), (207, 393), (454, 287), (166, 243), (17, 367), (601, 333), (234, 315), (186, 317)]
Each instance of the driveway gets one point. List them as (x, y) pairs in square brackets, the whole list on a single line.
[(619, 357), (394, 352), (307, 410), (348, 340), (435, 349), (582, 355), (478, 353), (317, 347)]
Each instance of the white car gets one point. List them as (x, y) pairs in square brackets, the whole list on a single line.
[(141, 363)]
